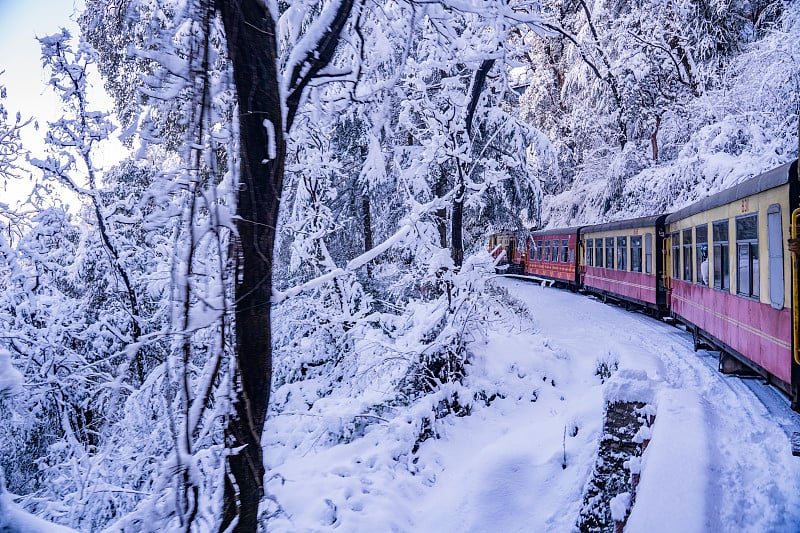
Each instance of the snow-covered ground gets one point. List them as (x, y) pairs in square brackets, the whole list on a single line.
[(719, 458)]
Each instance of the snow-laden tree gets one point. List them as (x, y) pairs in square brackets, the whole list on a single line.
[(170, 264), (620, 87)]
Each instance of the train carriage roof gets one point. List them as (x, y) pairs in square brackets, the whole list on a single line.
[(762, 182), (556, 231), (641, 222)]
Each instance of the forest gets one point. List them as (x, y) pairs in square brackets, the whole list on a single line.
[(294, 251)]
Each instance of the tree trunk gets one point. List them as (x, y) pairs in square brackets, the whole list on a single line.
[(250, 33), (457, 222), (441, 214), (654, 138), (457, 227), (366, 216), (252, 47)]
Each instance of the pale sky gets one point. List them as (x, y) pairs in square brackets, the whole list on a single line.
[(21, 21)]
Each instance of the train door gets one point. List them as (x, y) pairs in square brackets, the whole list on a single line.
[(663, 266), (794, 251), (794, 248)]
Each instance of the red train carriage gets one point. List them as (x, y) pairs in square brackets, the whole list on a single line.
[(553, 255), (730, 273), (623, 260)]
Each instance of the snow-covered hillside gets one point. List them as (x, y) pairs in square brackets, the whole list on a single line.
[(649, 106)]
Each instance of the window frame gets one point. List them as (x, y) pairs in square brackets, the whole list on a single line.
[(598, 253), (675, 246), (751, 267), (622, 253), (609, 253), (721, 256), (589, 252), (777, 276), (636, 253), (648, 254), (701, 255), (687, 244)]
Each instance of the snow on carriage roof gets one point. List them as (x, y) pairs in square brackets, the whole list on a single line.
[(762, 182)]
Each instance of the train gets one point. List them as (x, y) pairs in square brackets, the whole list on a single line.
[(725, 266)]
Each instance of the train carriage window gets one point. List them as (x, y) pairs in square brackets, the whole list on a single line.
[(564, 250), (589, 252), (687, 255), (747, 279), (622, 253), (598, 253), (547, 250), (676, 255), (610, 252), (571, 258), (775, 256), (636, 253), (722, 271), (701, 254), (555, 252), (539, 250), (648, 253)]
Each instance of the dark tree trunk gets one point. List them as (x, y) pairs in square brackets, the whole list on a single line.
[(252, 47), (440, 190), (250, 32), (366, 216), (457, 222)]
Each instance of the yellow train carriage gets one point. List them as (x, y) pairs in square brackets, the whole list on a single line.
[(729, 272)]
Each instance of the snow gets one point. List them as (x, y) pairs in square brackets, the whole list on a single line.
[(10, 377), (13, 519), (619, 506), (717, 459), (676, 466)]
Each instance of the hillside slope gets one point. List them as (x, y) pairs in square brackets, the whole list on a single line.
[(649, 106)]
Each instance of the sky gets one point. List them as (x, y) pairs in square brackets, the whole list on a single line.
[(21, 21)]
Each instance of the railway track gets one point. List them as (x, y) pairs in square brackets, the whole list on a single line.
[(745, 448)]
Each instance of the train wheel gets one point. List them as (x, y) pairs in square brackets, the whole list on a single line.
[(696, 338)]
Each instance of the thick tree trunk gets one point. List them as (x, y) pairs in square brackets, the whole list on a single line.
[(250, 32), (252, 47)]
